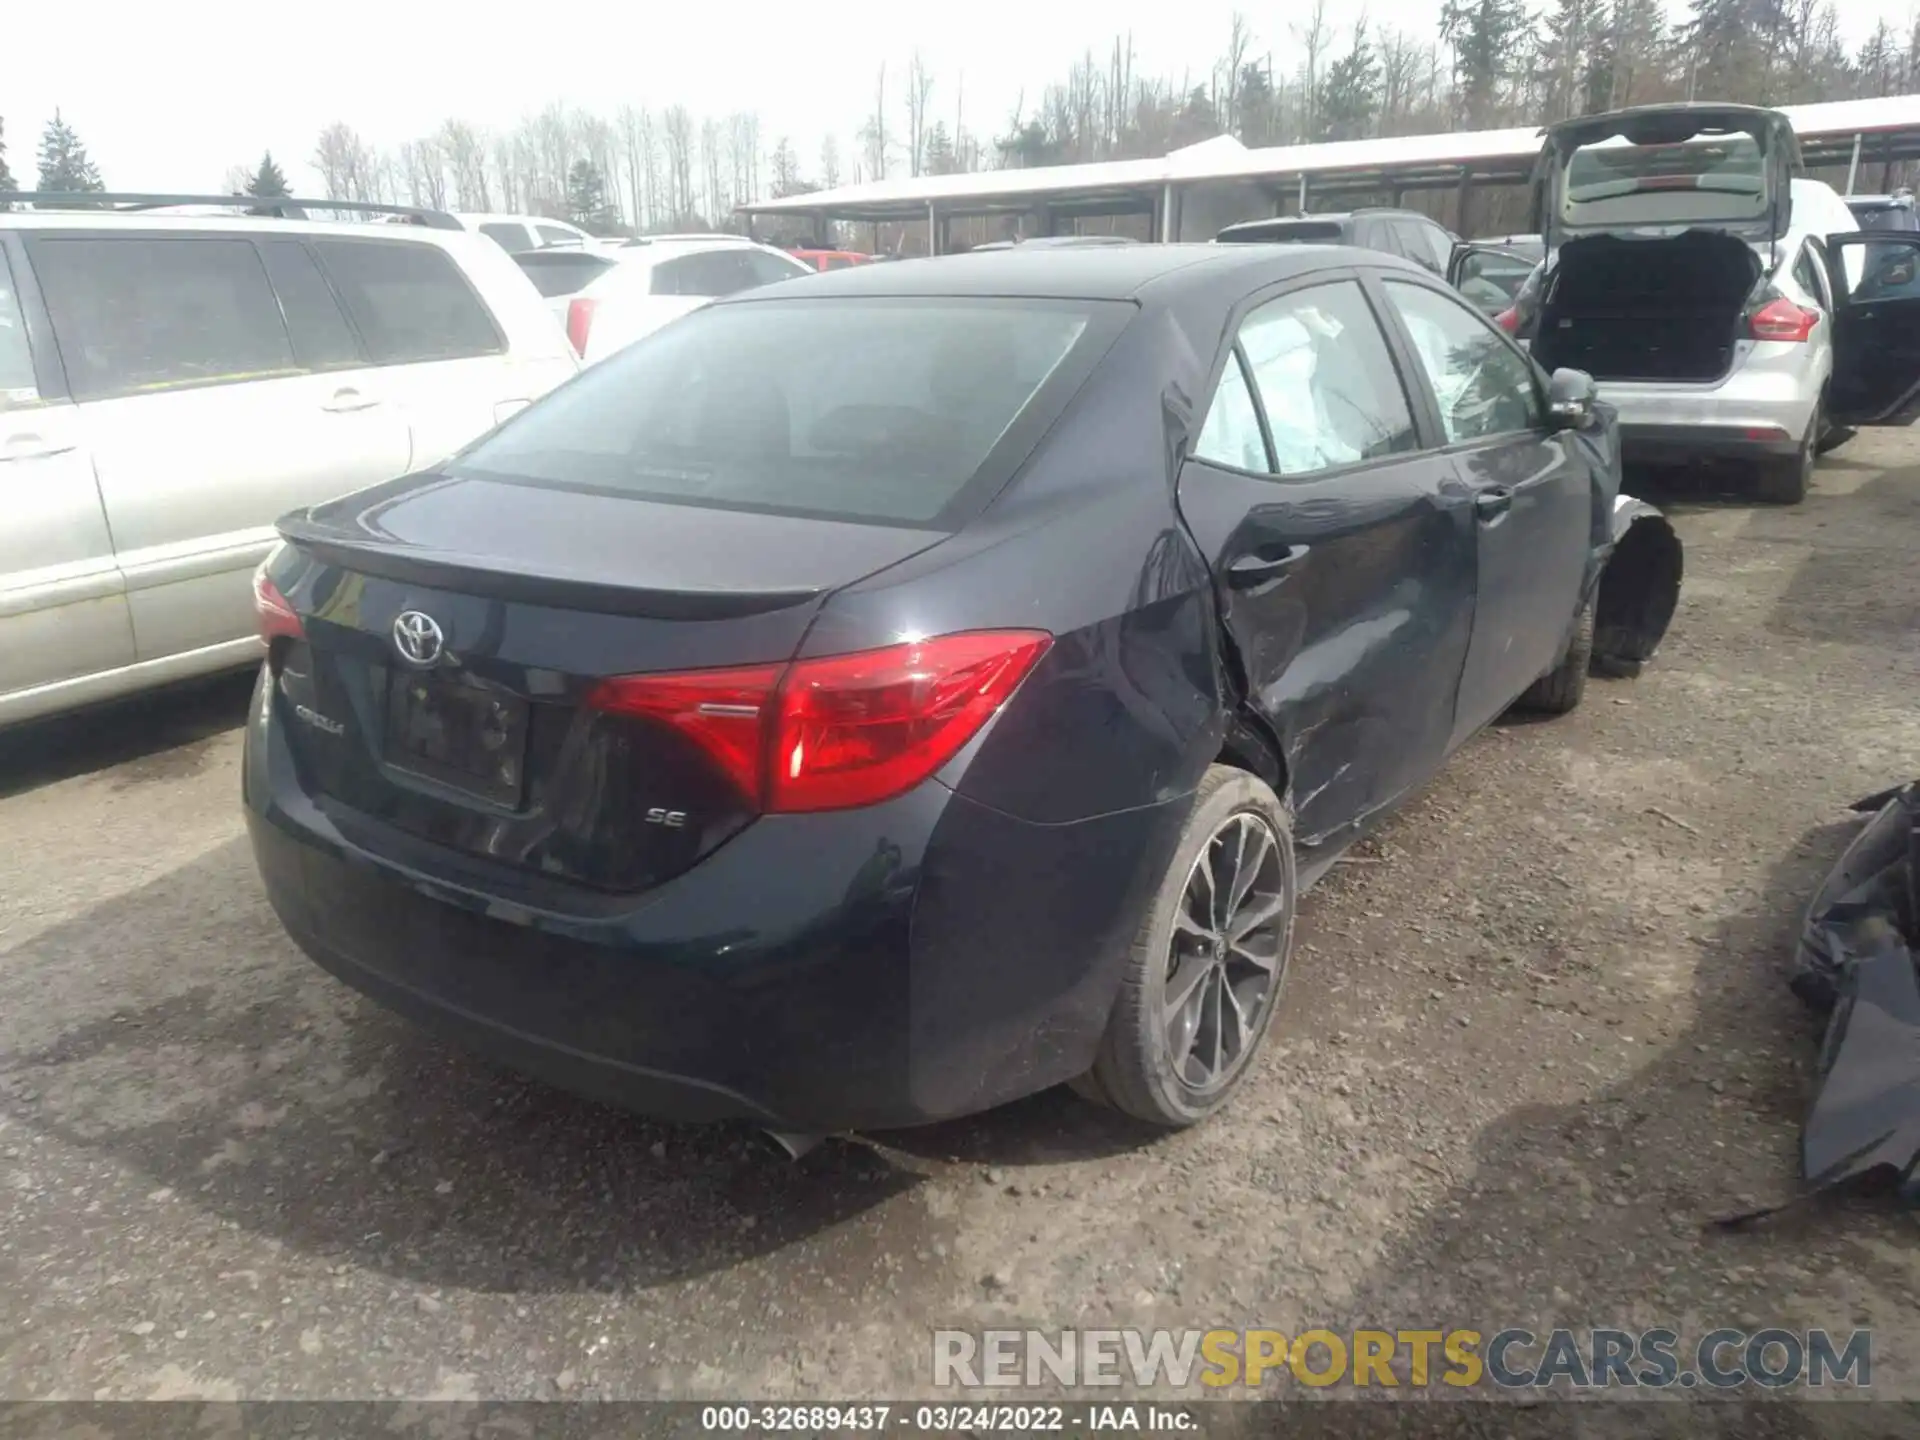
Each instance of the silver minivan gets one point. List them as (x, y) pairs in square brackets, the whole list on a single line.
[(171, 384)]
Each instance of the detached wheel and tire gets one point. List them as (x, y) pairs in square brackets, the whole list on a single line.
[(1208, 962), (1562, 688), (1786, 481)]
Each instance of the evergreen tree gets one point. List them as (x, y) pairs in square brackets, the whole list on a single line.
[(64, 166), (587, 198), (1350, 92), (267, 182), (6, 175), (1257, 105), (1486, 36), (941, 159), (1198, 119)]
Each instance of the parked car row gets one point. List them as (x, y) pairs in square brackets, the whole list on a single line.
[(865, 697)]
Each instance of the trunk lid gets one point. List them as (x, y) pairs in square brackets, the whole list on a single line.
[(1667, 168), (455, 627)]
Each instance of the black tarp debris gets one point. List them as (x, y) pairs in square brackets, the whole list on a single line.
[(1856, 961)]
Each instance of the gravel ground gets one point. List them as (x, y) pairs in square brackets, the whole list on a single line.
[(1536, 1035)]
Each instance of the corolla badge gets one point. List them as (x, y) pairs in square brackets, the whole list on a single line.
[(418, 637)]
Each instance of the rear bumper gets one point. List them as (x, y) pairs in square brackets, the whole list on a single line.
[(1681, 444), (921, 959), (1752, 413)]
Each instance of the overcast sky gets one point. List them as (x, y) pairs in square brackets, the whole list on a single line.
[(170, 97)]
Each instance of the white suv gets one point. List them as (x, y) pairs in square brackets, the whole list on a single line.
[(170, 385), (660, 278)]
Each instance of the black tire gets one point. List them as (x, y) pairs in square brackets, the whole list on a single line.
[(1135, 1070), (1562, 688), (1785, 481)]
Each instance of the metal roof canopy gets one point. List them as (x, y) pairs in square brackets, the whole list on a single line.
[(1842, 132)]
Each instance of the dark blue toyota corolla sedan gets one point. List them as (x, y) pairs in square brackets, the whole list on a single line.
[(885, 694)]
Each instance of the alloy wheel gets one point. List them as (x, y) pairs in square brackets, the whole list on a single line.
[(1228, 953)]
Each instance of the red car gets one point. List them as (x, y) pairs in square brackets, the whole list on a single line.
[(830, 259)]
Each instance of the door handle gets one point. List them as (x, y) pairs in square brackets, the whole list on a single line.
[(1258, 569), (30, 447), (346, 401), (1490, 505)]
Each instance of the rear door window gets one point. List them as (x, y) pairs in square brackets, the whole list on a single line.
[(322, 339), (17, 384), (554, 235), (409, 302), (1326, 380), (139, 313), (891, 411), (1231, 436)]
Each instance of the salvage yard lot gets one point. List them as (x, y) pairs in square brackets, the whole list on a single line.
[(1537, 1035)]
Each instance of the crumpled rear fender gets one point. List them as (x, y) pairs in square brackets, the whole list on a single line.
[(1638, 588)]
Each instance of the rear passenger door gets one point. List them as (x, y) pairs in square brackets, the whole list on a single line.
[(1875, 284), (437, 353), (63, 602), (1342, 552), (206, 418), (1532, 494)]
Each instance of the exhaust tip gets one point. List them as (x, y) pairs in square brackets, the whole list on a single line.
[(794, 1142)]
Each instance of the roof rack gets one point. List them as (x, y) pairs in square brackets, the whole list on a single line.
[(284, 207)]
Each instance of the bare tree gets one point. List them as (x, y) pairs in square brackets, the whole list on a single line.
[(1239, 39), (679, 143), (636, 158), (345, 162), (1313, 37), (424, 173), (239, 177), (714, 201), (506, 172), (873, 134), (919, 92), (829, 163), (743, 155), (466, 158)]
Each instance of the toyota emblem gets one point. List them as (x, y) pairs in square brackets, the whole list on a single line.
[(417, 637)]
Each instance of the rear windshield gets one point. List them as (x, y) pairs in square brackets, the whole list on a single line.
[(1299, 232), (1720, 177), (560, 272), (892, 411)]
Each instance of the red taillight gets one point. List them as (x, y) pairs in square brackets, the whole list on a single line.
[(724, 712), (1783, 320), (579, 321), (1508, 320), (841, 731), (276, 617)]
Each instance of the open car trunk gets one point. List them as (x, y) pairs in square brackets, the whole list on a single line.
[(1668, 309)]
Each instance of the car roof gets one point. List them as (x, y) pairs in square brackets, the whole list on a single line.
[(1090, 272)]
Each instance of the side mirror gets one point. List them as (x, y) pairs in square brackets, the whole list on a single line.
[(1570, 397)]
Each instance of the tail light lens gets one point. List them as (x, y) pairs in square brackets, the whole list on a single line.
[(843, 730), (1781, 319), (275, 616), (1508, 320), (579, 321)]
